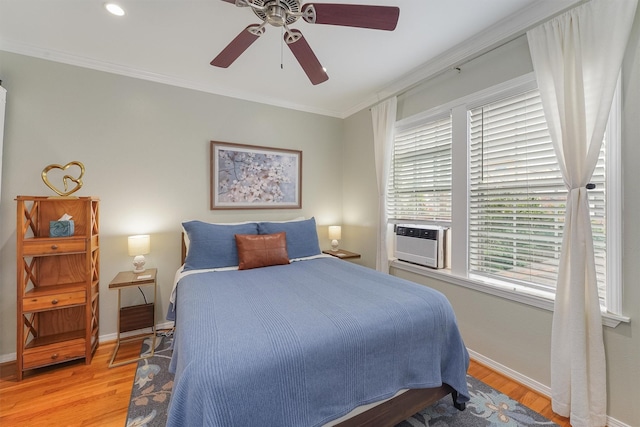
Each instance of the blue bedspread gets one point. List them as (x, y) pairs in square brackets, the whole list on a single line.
[(305, 343)]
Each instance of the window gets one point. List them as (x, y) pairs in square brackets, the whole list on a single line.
[(420, 176), (517, 196), (490, 158)]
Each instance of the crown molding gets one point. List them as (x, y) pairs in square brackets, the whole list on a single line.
[(85, 62), (502, 32)]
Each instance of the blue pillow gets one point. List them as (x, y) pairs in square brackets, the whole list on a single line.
[(302, 236), (214, 245)]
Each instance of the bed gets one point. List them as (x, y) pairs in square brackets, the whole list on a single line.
[(270, 332)]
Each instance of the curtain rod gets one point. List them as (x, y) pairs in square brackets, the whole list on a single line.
[(482, 52), (453, 67)]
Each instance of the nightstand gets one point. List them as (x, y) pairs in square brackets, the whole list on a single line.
[(135, 317), (342, 254)]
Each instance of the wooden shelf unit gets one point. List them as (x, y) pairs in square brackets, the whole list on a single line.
[(58, 280)]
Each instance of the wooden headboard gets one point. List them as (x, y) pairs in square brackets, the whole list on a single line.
[(183, 254)]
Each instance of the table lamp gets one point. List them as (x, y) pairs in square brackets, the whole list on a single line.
[(139, 246), (335, 234)]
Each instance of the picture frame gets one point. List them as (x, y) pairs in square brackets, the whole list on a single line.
[(255, 177)]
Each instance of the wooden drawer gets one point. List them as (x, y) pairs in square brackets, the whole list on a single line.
[(51, 301), (53, 353), (53, 246)]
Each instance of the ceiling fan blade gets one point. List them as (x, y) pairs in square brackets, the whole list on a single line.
[(305, 56), (240, 3), (238, 46), (352, 15)]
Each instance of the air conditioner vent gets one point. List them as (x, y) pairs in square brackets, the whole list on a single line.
[(422, 244)]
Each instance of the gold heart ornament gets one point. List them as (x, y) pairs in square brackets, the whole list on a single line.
[(65, 179)]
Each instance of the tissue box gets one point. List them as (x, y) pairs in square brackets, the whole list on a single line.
[(61, 228)]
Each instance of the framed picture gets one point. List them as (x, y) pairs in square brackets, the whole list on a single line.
[(252, 177)]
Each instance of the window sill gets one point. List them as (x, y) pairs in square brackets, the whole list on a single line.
[(530, 297)]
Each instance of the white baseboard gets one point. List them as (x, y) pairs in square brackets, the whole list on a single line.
[(11, 357), (113, 336), (514, 375), (528, 382), (612, 422)]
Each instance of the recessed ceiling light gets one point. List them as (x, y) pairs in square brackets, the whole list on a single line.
[(114, 9)]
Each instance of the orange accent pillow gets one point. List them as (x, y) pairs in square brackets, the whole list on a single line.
[(261, 250)]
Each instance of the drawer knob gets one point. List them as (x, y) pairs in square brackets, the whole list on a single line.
[(54, 302), (54, 356), (54, 247)]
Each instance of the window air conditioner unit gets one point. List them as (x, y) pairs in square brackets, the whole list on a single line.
[(423, 244)]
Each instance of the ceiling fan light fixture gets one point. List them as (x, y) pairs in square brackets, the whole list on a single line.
[(114, 9)]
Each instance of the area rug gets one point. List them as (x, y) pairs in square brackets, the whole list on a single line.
[(152, 385), (488, 407)]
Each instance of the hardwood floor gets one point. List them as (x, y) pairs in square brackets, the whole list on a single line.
[(76, 394), (73, 394), (516, 391)]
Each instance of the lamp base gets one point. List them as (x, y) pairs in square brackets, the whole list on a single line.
[(334, 245), (138, 264)]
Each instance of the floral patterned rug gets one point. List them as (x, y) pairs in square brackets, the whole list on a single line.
[(487, 408), (152, 386)]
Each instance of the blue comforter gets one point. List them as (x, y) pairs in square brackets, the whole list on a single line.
[(305, 343)]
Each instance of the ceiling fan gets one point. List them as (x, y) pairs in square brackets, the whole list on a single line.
[(282, 13)]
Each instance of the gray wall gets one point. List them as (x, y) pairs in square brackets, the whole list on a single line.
[(145, 147), (510, 333)]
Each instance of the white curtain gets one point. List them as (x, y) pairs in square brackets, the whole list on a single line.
[(577, 58), (383, 117), (3, 100)]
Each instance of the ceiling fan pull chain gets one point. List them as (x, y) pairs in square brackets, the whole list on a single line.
[(281, 47)]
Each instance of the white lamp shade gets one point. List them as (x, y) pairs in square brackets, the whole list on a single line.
[(335, 232), (139, 245)]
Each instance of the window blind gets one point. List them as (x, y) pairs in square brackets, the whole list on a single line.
[(517, 196), (420, 176)]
